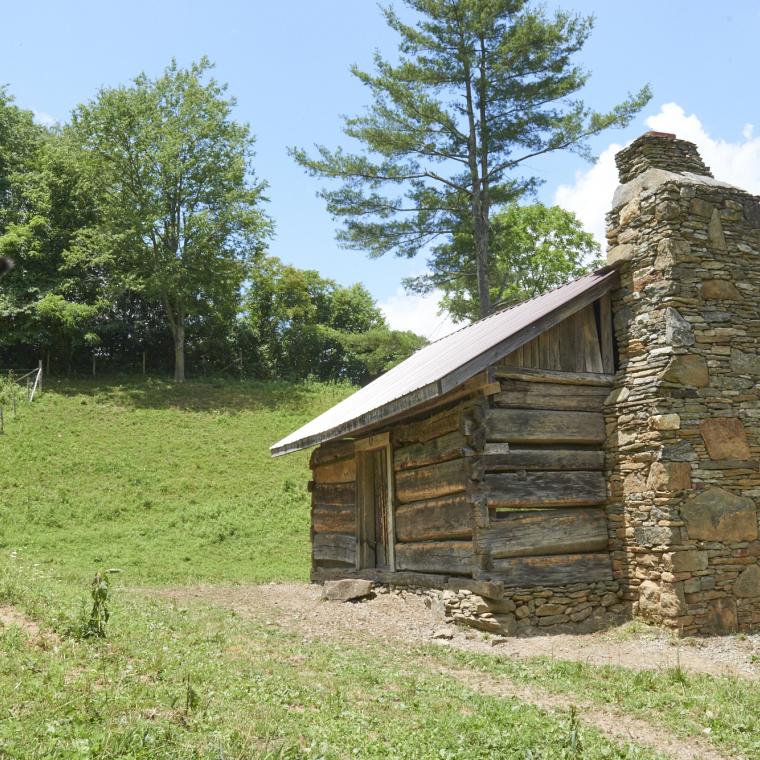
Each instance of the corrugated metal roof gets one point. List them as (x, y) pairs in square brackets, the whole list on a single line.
[(443, 365)]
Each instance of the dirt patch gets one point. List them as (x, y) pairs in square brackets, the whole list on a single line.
[(407, 619), (10, 617), (615, 724)]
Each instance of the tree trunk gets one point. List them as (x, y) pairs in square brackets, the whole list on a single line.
[(481, 257), (179, 353), (479, 218)]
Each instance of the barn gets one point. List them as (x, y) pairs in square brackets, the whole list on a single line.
[(587, 454)]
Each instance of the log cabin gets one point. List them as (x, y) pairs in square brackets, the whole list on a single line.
[(591, 453), (478, 461)]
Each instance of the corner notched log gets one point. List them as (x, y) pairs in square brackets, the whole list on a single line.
[(553, 531), (331, 518), (329, 452), (334, 547), (339, 471), (334, 493)]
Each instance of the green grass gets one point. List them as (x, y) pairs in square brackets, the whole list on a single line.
[(725, 710), (169, 483), (205, 683), (174, 485)]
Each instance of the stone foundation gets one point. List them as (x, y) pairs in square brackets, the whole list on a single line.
[(577, 608)]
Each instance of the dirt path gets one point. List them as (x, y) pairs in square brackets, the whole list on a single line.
[(408, 620), (616, 725), (11, 617)]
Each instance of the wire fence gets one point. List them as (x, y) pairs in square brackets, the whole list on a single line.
[(17, 385)]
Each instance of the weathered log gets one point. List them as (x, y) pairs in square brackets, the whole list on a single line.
[(568, 401), (555, 570), (330, 518), (551, 376), (541, 459), (339, 471), (334, 547), (554, 531), (447, 518), (334, 493), (449, 446), (536, 426), (431, 482), (545, 489), (421, 431), (445, 557), (329, 452)]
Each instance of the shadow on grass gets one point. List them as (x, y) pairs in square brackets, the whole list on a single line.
[(207, 395)]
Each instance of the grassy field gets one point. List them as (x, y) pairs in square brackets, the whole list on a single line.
[(174, 485), (168, 483)]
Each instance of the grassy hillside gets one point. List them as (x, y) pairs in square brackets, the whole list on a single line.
[(168, 483), (175, 485)]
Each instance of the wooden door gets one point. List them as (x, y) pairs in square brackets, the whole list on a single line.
[(373, 492)]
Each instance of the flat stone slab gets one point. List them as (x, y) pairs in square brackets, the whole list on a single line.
[(346, 590)]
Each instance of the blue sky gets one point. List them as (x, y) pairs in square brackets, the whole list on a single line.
[(287, 63)]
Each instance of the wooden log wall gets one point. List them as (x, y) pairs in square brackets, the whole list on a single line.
[(433, 514), (541, 479), (333, 506)]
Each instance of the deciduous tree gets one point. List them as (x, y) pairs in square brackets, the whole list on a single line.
[(180, 210), (534, 248)]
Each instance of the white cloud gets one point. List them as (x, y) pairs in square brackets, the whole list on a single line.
[(590, 197), (407, 311), (738, 162), (45, 119)]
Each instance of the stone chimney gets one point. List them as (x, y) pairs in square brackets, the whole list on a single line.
[(683, 419)]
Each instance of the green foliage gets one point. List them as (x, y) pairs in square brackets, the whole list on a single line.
[(534, 248), (179, 215), (303, 325), (480, 87), (10, 391), (100, 613)]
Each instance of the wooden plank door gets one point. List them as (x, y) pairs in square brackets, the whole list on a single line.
[(374, 506)]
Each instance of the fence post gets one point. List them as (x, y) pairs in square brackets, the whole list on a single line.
[(39, 369)]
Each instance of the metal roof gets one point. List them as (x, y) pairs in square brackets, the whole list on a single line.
[(445, 364)]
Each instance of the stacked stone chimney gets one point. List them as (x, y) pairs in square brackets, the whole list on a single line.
[(683, 420)]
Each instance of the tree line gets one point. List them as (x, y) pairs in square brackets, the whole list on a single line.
[(139, 228)]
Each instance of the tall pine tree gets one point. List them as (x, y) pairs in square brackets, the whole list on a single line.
[(479, 88)]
